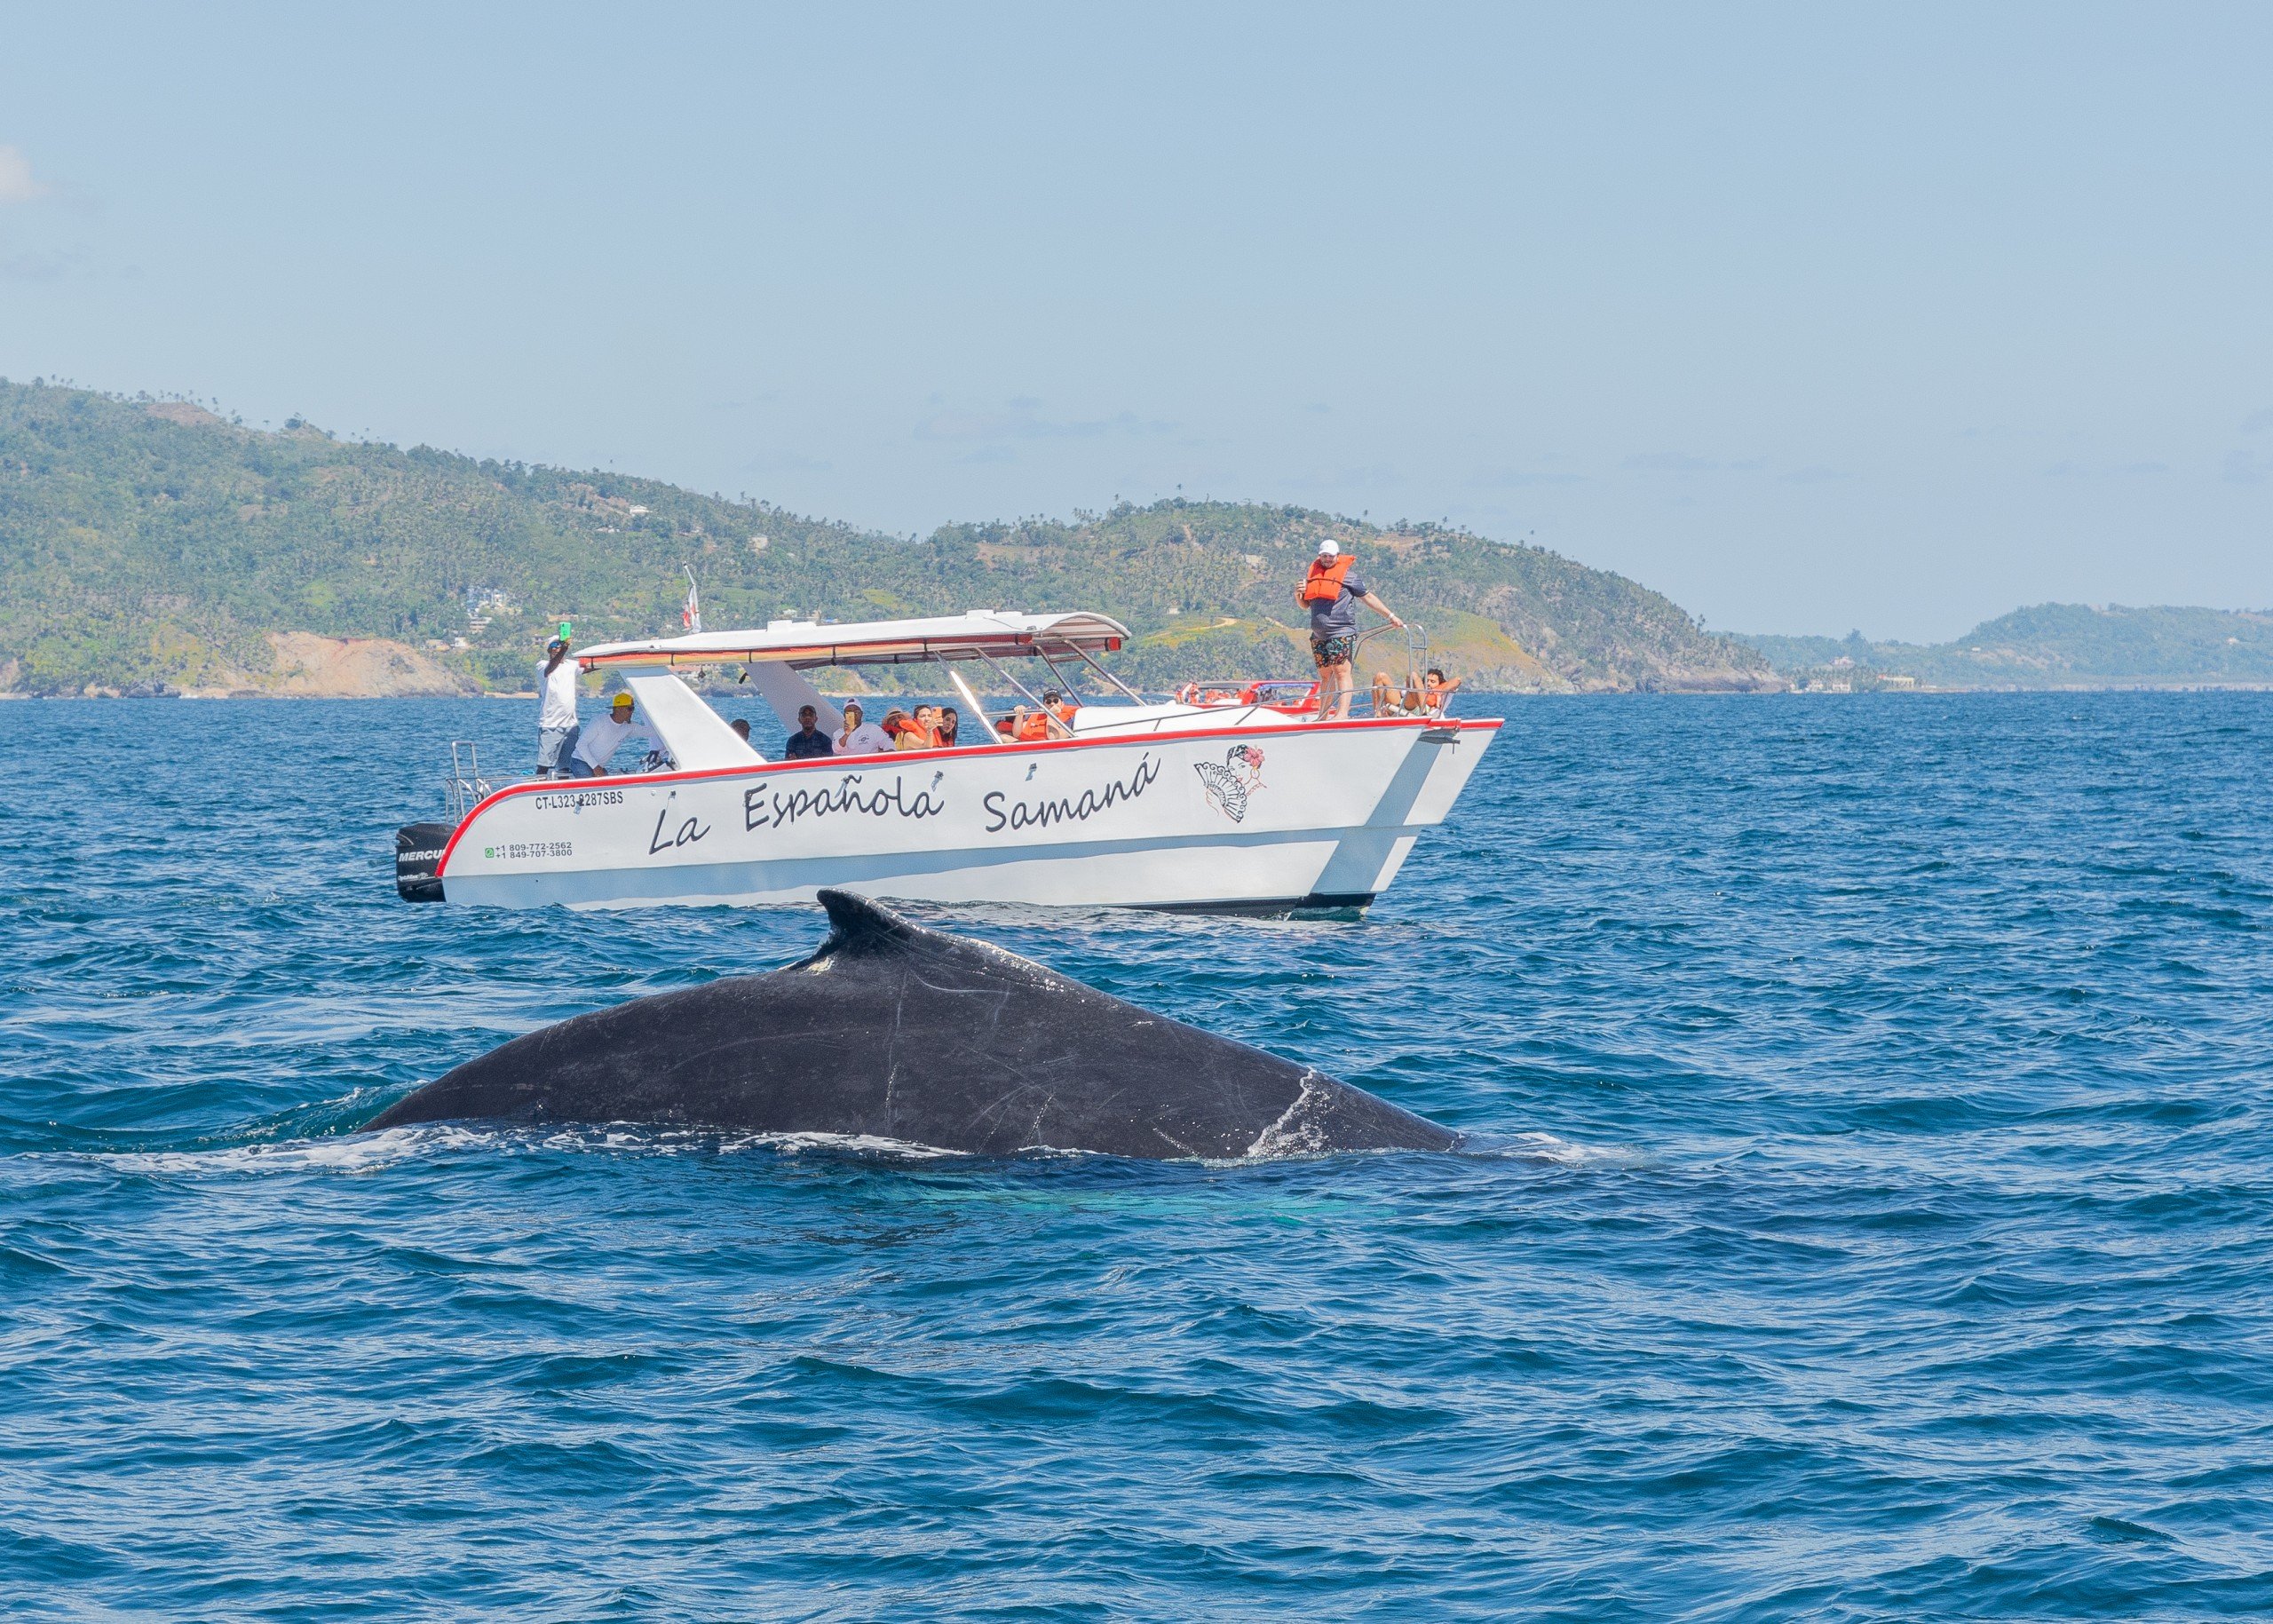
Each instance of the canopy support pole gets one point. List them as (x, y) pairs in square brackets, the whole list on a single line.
[(1090, 662), (1055, 727)]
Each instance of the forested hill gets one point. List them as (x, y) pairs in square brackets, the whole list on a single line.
[(2053, 645), (150, 542)]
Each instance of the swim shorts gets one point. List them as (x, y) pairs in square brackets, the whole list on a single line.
[(555, 747), (1332, 651)]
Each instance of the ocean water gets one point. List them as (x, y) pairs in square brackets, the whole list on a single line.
[(1875, 1218)]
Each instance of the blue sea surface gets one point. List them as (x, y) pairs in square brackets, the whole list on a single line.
[(1875, 1218)]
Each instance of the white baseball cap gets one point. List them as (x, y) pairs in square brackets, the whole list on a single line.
[(1329, 549)]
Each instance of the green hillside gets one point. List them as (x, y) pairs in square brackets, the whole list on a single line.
[(2056, 646), (150, 542)]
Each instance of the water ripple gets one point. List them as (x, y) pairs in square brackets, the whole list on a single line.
[(1865, 1216)]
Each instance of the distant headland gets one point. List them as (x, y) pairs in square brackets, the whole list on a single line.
[(2050, 645)]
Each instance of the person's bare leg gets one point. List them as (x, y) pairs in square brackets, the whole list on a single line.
[(1342, 681)]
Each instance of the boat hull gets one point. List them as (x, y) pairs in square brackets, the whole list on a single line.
[(1310, 815)]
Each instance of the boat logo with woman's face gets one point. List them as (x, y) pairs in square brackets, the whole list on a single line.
[(1230, 785)]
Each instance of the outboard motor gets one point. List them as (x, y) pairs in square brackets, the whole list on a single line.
[(417, 853)]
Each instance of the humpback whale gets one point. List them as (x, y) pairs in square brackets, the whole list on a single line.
[(899, 1033)]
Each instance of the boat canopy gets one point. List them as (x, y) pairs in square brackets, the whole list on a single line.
[(980, 634)]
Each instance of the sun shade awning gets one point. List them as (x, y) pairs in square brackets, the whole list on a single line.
[(983, 634)]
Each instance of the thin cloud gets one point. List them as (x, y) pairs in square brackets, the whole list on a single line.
[(18, 184), (1513, 478), (2102, 471), (34, 267), (1673, 462), (785, 462), (1379, 476), (1025, 420)]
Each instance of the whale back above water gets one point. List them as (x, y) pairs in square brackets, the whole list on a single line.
[(894, 1031)]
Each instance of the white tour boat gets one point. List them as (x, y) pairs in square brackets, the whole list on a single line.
[(1230, 798)]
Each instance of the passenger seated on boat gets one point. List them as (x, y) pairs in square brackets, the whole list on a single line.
[(596, 746), (1022, 725), (859, 736), (808, 743), (950, 723), (1438, 691), (1385, 695), (742, 729), (908, 732), (1057, 704)]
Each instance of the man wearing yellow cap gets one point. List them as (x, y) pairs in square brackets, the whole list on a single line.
[(596, 748)]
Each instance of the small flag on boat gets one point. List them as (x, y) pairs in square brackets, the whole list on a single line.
[(690, 617)]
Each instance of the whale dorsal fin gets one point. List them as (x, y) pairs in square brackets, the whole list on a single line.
[(857, 925), (862, 929)]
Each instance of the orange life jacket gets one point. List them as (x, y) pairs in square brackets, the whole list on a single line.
[(1323, 585), (1064, 713), (1034, 727)]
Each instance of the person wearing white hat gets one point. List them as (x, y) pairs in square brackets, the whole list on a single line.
[(1332, 594), (556, 713), (859, 736)]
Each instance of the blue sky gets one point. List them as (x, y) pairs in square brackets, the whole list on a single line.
[(1814, 317)]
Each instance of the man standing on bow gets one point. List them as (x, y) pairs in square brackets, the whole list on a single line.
[(556, 710), (1332, 594)]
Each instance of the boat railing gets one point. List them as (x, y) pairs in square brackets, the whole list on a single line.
[(463, 786), (1295, 695), (1410, 696)]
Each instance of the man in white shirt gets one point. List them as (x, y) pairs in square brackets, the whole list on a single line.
[(596, 748), (860, 737), (556, 712)]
